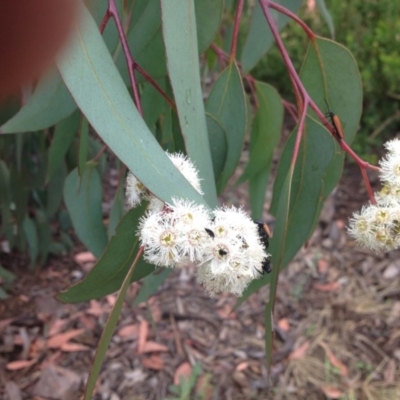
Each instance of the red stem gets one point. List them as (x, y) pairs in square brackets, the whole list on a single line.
[(104, 22), (236, 27), (223, 58), (291, 108), (101, 151), (112, 10), (299, 134), (294, 17)]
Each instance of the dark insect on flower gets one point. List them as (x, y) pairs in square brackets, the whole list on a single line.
[(210, 232), (222, 252), (264, 233)]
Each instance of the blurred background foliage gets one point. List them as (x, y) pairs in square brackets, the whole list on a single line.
[(370, 29)]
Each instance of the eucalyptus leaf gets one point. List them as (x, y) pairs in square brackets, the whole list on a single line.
[(62, 139), (94, 82), (227, 105), (180, 38), (49, 104), (83, 197), (259, 38), (111, 269)]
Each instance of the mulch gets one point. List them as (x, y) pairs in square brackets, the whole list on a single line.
[(337, 328)]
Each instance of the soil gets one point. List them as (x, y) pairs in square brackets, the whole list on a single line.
[(337, 328)]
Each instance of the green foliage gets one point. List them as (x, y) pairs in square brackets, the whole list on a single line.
[(367, 29)]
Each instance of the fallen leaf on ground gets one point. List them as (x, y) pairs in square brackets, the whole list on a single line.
[(326, 287), (154, 362), (340, 224), (84, 257), (62, 338), (111, 299), (183, 371), (57, 326), (283, 323), (334, 361), (143, 331), (24, 298), (96, 309), (332, 392), (88, 321), (242, 366), (74, 347), (128, 331), (300, 351), (150, 347), (20, 364)]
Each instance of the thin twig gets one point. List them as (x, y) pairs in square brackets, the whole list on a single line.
[(112, 10), (236, 27)]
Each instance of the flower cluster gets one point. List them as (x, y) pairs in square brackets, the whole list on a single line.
[(377, 226), (225, 247)]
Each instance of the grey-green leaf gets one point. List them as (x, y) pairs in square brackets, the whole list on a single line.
[(83, 198), (259, 38), (227, 105), (62, 139), (218, 145), (49, 104), (93, 80), (208, 19), (110, 270), (31, 236), (180, 38)]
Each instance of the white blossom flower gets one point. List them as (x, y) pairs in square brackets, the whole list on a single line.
[(160, 240), (134, 190), (187, 169), (227, 249), (388, 196), (213, 283), (378, 226), (390, 169), (393, 146), (190, 221), (235, 254), (176, 235)]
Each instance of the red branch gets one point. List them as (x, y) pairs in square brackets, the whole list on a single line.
[(112, 11), (303, 98), (236, 27), (132, 65)]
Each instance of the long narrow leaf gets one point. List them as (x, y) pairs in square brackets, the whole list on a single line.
[(93, 80), (180, 38), (83, 198), (107, 333)]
